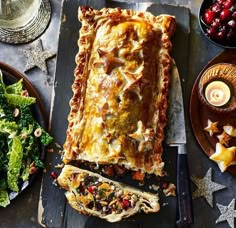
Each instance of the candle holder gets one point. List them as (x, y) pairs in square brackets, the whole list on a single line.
[(217, 88), (29, 31)]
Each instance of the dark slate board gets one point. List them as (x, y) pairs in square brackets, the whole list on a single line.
[(53, 209)]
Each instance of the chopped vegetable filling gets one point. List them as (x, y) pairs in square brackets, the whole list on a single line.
[(102, 196)]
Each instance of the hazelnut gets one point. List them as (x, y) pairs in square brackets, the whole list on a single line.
[(32, 170), (16, 112), (25, 93), (38, 132)]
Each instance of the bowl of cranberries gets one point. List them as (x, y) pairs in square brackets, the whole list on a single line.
[(217, 19)]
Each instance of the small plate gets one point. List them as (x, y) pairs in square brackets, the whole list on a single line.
[(10, 76), (199, 113)]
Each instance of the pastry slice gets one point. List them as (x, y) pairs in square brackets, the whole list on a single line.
[(92, 194), (119, 103)]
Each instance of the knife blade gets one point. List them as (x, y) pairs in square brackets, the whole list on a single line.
[(176, 136)]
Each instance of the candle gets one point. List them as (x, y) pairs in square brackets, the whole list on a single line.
[(217, 93)]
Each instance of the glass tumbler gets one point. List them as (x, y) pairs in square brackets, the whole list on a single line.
[(18, 13), (23, 20)]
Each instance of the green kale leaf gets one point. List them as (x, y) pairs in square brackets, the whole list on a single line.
[(4, 198), (15, 161), (15, 88)]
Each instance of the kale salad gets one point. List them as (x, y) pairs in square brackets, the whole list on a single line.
[(21, 138)]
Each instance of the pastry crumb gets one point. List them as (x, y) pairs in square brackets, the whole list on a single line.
[(170, 190), (51, 150), (59, 166), (58, 145), (155, 187)]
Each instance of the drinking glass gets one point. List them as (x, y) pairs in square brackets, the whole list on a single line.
[(17, 13)]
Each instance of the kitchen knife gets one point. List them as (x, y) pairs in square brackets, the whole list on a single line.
[(176, 136)]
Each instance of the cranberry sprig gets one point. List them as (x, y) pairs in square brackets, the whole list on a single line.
[(220, 19)]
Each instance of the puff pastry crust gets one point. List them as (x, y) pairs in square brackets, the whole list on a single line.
[(92, 194), (118, 110)]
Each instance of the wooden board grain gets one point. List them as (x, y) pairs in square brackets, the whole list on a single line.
[(54, 211)]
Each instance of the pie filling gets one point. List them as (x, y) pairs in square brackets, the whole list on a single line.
[(92, 194), (100, 196)]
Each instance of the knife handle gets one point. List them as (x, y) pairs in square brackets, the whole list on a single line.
[(184, 196)]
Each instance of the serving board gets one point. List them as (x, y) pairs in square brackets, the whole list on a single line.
[(53, 208)]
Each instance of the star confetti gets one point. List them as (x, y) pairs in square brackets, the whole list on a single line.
[(37, 56), (227, 213), (206, 187)]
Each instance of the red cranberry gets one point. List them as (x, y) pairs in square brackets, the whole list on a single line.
[(232, 24), (164, 185), (231, 36), (209, 16), (221, 35), (216, 8), (225, 14), (125, 203), (211, 32), (234, 15), (90, 189), (216, 23), (53, 175), (228, 3)]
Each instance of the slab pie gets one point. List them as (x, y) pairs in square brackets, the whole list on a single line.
[(118, 108)]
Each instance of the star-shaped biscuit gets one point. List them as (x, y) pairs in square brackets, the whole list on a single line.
[(206, 187), (224, 157), (224, 138), (211, 127), (37, 56), (227, 213), (230, 130)]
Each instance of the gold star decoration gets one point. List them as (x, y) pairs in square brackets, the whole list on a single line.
[(206, 187), (211, 127), (224, 157), (37, 56), (109, 60), (227, 213)]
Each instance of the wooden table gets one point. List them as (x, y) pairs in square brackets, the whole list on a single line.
[(23, 211)]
